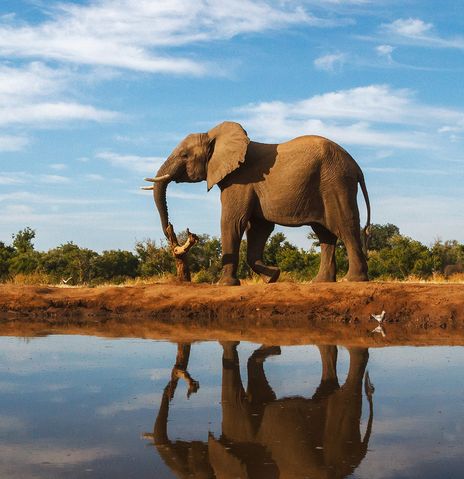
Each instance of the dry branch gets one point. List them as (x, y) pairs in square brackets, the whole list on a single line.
[(180, 252)]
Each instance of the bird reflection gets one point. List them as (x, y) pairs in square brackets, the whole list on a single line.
[(265, 437)]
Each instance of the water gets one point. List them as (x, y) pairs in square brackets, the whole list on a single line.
[(75, 406)]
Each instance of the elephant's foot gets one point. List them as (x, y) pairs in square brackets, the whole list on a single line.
[(269, 274), (272, 276), (324, 278), (228, 281), (355, 277)]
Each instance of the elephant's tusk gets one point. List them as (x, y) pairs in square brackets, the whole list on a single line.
[(147, 187), (158, 178)]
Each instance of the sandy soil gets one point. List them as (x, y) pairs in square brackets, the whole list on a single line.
[(281, 313)]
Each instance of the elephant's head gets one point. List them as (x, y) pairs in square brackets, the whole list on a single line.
[(207, 156)]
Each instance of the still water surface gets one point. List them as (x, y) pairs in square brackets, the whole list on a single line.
[(75, 406)]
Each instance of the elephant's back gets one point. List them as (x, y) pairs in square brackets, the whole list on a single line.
[(312, 154)]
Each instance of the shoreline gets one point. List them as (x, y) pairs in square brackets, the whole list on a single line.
[(416, 313)]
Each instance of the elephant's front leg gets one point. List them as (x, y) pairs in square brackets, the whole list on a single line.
[(233, 224)]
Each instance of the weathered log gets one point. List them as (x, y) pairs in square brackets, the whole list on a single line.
[(180, 252)]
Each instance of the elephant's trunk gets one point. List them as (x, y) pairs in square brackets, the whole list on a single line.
[(169, 167)]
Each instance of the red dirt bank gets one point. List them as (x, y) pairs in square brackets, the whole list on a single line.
[(280, 313)]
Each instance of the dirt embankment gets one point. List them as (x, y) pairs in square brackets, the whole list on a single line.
[(281, 313)]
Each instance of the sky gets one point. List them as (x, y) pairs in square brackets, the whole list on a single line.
[(95, 94)]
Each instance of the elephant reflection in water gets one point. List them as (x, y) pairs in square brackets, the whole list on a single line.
[(265, 437)]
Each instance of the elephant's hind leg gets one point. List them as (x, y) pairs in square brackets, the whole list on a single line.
[(327, 269), (258, 232), (357, 270)]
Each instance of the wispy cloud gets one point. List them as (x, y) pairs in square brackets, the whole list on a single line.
[(418, 32), (34, 95), (135, 163), (330, 62), (39, 198), (409, 27), (12, 143), (103, 32), (374, 115), (385, 51)]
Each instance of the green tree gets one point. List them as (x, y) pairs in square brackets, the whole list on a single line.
[(380, 236), (25, 259), (445, 253), (22, 240), (154, 260), (402, 257), (69, 262), (115, 265), (6, 253)]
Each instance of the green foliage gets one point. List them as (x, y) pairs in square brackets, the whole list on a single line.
[(22, 240), (391, 256), (25, 262), (115, 266), (380, 236), (401, 258), (69, 263), (154, 260), (6, 254), (445, 253)]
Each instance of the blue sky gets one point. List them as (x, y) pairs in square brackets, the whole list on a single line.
[(95, 94)]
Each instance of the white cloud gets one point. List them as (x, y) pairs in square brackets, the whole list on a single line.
[(94, 177), (133, 35), (373, 115), (385, 51), (12, 143), (58, 166), (52, 113), (31, 95), (138, 164), (40, 199), (330, 62), (415, 31), (11, 179), (409, 27), (54, 179)]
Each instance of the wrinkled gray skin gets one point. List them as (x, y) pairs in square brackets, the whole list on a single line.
[(264, 437), (306, 181)]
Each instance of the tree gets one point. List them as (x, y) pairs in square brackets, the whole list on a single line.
[(445, 253), (154, 260), (22, 240), (69, 262), (380, 236), (116, 266), (402, 257), (25, 259), (6, 253)]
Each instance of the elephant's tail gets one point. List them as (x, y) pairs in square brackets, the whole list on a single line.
[(366, 230)]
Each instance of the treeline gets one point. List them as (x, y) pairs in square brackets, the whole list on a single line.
[(391, 256)]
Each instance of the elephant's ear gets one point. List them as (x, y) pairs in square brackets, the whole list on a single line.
[(230, 142)]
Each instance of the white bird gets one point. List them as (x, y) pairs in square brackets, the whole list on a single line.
[(379, 317), (380, 330), (65, 281)]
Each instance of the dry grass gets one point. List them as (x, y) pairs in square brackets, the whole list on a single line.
[(41, 279), (29, 279)]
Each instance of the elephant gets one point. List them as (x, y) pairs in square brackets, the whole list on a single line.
[(451, 269), (309, 180), (266, 437)]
